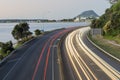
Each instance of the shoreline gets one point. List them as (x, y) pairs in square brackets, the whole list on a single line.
[(5, 29), (19, 44)]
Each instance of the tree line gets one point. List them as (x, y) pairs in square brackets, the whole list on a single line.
[(110, 21)]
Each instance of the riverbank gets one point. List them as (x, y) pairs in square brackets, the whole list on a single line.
[(110, 46)]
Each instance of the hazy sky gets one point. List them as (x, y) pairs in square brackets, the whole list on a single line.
[(51, 9)]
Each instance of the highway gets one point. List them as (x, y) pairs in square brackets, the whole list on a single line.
[(87, 64), (38, 59), (64, 54)]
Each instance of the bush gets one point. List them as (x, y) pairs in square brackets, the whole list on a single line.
[(38, 32), (110, 21), (106, 28), (1, 57), (21, 31), (7, 48)]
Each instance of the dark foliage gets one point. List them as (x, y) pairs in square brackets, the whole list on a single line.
[(21, 31), (110, 21)]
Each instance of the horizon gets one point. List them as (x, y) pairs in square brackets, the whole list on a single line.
[(52, 9), (44, 18)]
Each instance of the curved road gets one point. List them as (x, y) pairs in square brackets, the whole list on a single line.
[(35, 60), (59, 56), (85, 63)]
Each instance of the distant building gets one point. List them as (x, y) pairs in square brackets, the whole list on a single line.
[(77, 19)]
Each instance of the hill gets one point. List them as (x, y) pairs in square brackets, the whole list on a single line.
[(110, 21), (89, 13)]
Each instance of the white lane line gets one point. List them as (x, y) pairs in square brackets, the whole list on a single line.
[(25, 53), (52, 63), (13, 60)]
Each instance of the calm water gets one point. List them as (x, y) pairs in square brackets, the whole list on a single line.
[(6, 28)]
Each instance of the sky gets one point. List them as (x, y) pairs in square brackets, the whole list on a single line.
[(49, 9)]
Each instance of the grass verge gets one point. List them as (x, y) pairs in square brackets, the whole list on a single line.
[(104, 44), (116, 39), (20, 43)]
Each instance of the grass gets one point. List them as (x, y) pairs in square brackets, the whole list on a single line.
[(17, 45), (116, 39), (103, 43), (20, 43)]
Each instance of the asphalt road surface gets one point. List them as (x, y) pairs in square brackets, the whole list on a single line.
[(83, 65), (111, 61), (36, 60), (57, 55)]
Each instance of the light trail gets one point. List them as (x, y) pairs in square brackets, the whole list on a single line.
[(76, 60)]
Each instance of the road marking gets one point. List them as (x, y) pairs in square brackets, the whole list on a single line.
[(40, 57), (25, 53), (60, 64), (46, 64), (48, 53), (13, 60), (53, 63), (45, 69), (39, 60)]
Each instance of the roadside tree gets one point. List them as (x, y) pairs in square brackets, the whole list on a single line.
[(38, 32), (6, 48), (21, 31)]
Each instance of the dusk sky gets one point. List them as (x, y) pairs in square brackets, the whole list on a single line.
[(51, 9)]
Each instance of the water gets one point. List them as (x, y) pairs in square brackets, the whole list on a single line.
[(6, 28)]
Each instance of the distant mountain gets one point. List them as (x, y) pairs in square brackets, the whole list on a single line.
[(89, 13)]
